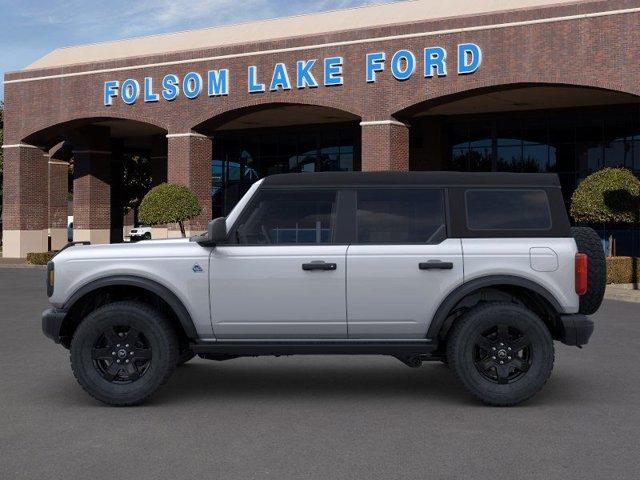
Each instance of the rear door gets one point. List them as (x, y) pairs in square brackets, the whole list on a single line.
[(283, 274), (401, 265)]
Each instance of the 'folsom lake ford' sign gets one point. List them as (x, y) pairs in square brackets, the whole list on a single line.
[(307, 74)]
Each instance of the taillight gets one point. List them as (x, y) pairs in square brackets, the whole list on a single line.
[(581, 273)]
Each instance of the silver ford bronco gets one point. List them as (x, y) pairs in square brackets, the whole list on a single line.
[(481, 271)]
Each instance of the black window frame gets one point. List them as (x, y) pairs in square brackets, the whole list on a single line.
[(560, 226), (536, 230)]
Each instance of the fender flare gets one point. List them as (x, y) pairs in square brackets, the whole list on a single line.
[(181, 312), (467, 288)]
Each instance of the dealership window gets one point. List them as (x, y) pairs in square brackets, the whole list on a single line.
[(570, 142), (473, 152), (400, 216), (289, 217), (243, 157)]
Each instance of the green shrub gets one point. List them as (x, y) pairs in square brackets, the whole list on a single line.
[(41, 258), (169, 203), (620, 269), (609, 195)]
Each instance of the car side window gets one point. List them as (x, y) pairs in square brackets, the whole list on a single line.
[(508, 209), (397, 215), (289, 217)]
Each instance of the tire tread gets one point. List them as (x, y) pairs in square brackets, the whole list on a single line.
[(167, 331), (455, 342)]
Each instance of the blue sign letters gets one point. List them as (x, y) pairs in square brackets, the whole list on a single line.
[(431, 62)]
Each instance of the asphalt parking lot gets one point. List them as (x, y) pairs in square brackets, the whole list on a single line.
[(315, 417)]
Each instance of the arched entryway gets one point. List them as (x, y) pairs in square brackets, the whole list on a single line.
[(253, 142), (90, 171), (571, 131)]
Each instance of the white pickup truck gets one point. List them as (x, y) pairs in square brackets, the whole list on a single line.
[(480, 271)]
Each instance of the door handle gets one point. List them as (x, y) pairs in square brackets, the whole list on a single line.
[(319, 265), (436, 265)]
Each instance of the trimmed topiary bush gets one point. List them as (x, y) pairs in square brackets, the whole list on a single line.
[(609, 195), (41, 258), (169, 203), (622, 270)]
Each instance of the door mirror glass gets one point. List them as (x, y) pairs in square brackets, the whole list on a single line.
[(217, 230)]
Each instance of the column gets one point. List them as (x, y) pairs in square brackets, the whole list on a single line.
[(189, 164), (117, 204), (159, 175), (25, 199), (385, 146), (92, 185), (58, 191)]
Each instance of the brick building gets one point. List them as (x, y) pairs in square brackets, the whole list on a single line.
[(546, 85)]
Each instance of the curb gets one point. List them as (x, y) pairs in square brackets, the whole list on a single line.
[(622, 293), (19, 265)]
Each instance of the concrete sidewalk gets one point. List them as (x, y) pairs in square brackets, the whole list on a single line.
[(626, 292)]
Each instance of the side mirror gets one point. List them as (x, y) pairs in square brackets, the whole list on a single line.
[(217, 230)]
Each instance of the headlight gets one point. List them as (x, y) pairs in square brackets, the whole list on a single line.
[(50, 278)]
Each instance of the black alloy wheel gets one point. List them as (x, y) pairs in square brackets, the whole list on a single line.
[(502, 354), (122, 354)]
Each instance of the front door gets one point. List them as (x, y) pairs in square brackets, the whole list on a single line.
[(401, 265), (281, 275)]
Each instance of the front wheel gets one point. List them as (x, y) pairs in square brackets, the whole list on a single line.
[(501, 352), (123, 352)]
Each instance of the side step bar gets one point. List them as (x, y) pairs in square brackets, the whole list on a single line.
[(253, 348)]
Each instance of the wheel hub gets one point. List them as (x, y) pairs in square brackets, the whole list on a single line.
[(502, 354), (121, 354)]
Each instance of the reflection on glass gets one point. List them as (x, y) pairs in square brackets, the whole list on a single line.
[(572, 143), (242, 157)]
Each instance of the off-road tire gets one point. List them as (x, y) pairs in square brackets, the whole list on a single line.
[(156, 330), (589, 242), (462, 348)]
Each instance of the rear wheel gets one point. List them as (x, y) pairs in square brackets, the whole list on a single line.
[(123, 352), (501, 352)]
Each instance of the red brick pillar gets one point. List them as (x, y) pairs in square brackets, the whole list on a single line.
[(385, 146), (24, 200), (58, 190), (189, 164), (92, 186)]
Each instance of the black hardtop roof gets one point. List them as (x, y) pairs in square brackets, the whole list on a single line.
[(480, 179)]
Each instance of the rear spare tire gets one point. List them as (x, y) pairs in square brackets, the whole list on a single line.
[(589, 243)]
